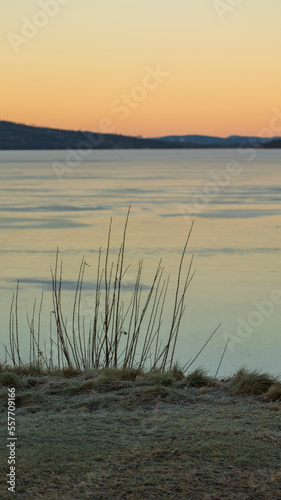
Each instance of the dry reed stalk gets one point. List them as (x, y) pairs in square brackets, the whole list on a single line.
[(102, 344)]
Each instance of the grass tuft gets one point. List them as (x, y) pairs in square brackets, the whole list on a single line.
[(197, 378), (274, 392), (177, 372), (252, 383), (10, 379)]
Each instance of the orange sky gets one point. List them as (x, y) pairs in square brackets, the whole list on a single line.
[(142, 67)]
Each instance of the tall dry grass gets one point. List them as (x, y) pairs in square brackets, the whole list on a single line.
[(120, 334)]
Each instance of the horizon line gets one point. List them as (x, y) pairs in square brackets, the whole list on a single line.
[(139, 136)]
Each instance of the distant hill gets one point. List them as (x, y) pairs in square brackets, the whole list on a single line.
[(15, 136), (205, 141), (200, 140), (273, 144)]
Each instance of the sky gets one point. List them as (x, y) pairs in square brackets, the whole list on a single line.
[(142, 67)]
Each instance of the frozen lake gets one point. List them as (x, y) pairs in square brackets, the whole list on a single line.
[(63, 199)]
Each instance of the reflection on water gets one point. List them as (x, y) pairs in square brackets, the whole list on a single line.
[(236, 238)]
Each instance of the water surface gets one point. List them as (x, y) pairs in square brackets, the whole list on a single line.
[(59, 199)]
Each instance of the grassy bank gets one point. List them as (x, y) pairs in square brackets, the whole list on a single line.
[(130, 434)]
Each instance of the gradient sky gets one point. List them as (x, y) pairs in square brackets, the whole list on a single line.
[(223, 70)]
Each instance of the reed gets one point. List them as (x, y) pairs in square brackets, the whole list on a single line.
[(124, 335)]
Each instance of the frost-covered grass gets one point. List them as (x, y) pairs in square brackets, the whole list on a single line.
[(109, 434)]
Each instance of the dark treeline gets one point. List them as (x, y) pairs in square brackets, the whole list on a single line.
[(17, 136)]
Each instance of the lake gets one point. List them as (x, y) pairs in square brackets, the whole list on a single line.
[(66, 199)]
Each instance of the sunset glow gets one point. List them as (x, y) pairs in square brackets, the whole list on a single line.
[(142, 67)]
